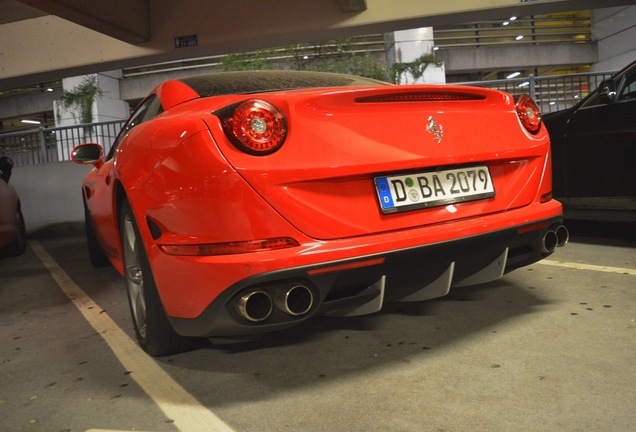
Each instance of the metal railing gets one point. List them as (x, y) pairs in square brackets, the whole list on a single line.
[(538, 30), (46, 145), (551, 93)]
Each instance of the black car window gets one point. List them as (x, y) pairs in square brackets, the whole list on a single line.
[(592, 101), (149, 109), (628, 91)]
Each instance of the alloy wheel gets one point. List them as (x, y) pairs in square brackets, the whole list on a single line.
[(134, 275)]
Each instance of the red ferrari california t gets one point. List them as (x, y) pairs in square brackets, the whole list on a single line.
[(246, 202)]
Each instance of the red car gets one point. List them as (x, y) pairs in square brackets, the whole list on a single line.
[(246, 202), (13, 236)]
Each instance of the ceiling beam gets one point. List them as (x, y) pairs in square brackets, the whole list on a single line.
[(126, 20), (87, 36)]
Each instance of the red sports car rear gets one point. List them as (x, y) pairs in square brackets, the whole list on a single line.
[(243, 203)]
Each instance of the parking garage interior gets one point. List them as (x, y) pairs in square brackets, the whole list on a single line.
[(546, 347)]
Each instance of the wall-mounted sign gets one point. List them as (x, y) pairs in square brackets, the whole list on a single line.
[(186, 41)]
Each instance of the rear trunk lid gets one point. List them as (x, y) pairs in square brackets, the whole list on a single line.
[(326, 179)]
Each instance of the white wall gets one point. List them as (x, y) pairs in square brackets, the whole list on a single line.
[(615, 31), (51, 194)]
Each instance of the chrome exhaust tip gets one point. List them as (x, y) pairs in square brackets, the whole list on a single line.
[(549, 242), (294, 301), (563, 235), (255, 305)]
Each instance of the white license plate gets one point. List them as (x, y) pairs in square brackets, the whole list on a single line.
[(434, 188)]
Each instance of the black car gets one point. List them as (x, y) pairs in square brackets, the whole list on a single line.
[(13, 239), (594, 152)]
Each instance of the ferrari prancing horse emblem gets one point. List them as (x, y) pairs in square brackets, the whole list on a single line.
[(432, 128)]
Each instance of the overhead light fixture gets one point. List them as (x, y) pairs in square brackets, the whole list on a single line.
[(513, 75), (30, 121), (512, 18), (519, 37), (506, 23), (435, 48), (524, 84)]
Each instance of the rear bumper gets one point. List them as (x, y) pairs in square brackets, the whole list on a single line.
[(361, 284)]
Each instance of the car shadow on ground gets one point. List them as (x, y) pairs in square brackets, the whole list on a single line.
[(327, 349), (324, 349)]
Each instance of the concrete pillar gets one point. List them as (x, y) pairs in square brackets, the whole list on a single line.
[(407, 46), (107, 106)]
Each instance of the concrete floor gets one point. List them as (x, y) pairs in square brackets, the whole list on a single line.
[(548, 347)]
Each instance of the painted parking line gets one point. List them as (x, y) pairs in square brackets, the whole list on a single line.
[(181, 407), (591, 267)]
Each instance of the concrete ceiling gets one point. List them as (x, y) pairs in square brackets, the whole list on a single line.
[(13, 11), (43, 40)]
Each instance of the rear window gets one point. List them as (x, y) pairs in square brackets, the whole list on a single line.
[(224, 83)]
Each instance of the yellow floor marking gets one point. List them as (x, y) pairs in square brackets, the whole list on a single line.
[(591, 267), (181, 407)]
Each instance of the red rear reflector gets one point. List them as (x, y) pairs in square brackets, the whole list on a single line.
[(546, 197), (421, 97), (348, 266), (534, 227), (229, 248)]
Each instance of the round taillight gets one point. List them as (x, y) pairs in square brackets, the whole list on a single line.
[(256, 127), (528, 113)]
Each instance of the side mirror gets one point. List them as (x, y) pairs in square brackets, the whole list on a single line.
[(89, 153), (607, 91)]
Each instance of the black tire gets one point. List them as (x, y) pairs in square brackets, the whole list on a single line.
[(18, 246), (154, 333), (95, 253)]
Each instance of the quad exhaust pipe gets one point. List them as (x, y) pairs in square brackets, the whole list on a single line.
[(563, 235), (257, 305), (294, 301), (555, 238)]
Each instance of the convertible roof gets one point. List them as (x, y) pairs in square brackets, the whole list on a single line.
[(224, 83)]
